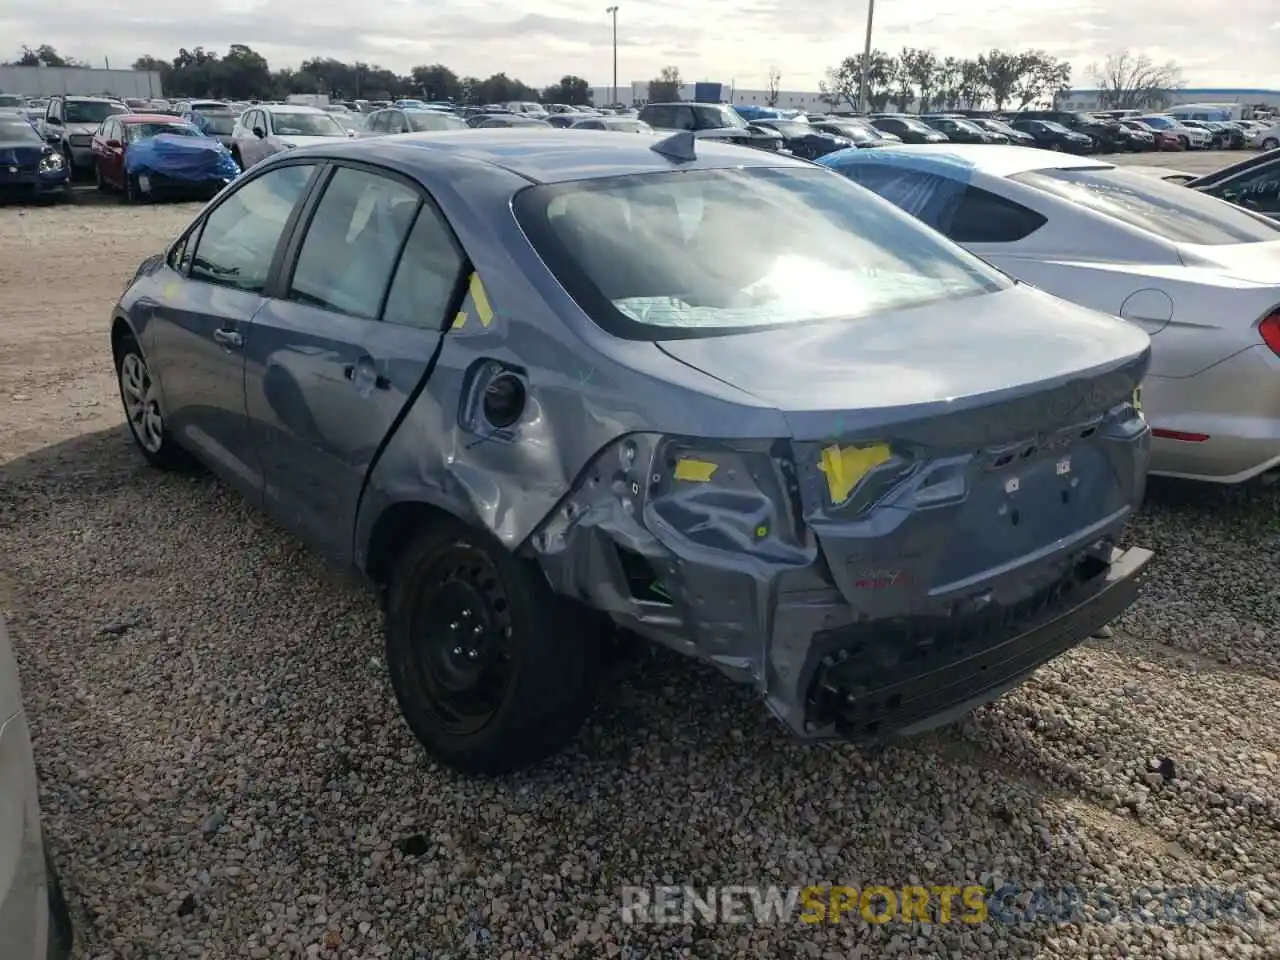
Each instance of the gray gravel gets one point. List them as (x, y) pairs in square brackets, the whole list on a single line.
[(225, 773)]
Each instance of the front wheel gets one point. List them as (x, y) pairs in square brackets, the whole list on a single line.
[(492, 670), (1270, 143), (141, 398), (1186, 144)]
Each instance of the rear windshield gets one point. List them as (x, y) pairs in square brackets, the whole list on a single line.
[(707, 252), (218, 124), (319, 124), (1168, 210), (433, 120)]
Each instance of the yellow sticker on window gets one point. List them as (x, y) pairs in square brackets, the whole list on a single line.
[(481, 299)]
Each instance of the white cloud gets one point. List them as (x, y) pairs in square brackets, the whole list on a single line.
[(717, 40)]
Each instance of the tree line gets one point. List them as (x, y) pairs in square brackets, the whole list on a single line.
[(244, 74), (914, 77), (1006, 79)]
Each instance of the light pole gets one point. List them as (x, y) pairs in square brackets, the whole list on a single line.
[(613, 11), (866, 58)]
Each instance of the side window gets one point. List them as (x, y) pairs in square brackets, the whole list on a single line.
[(426, 275), (683, 118), (397, 123), (240, 235), (982, 217), (177, 256), (55, 110), (1256, 190), (351, 245), (376, 122), (661, 117)]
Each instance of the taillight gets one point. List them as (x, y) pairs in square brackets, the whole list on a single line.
[(1270, 330)]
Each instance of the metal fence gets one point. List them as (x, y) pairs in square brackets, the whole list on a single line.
[(85, 81)]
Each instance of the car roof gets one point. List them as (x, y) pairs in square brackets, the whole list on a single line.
[(288, 108), (149, 118), (553, 155), (997, 160)]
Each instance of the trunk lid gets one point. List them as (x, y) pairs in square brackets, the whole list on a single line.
[(972, 447), (1252, 262)]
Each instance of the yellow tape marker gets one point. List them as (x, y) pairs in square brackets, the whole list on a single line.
[(483, 310), (460, 319), (171, 290), (845, 467), (695, 471)]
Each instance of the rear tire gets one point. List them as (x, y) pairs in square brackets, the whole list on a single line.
[(491, 669)]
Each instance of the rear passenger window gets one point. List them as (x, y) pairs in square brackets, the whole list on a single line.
[(982, 217), (352, 243), (427, 275), (240, 235)]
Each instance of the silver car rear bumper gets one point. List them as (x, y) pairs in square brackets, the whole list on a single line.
[(24, 897)]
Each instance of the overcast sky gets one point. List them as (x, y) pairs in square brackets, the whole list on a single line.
[(538, 41)]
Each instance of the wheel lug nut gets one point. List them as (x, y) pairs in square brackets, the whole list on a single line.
[(454, 625), (457, 651)]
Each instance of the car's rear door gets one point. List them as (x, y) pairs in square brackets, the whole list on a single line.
[(202, 320), (346, 343)]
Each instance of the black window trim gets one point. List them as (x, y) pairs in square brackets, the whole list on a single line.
[(282, 269), (196, 228)]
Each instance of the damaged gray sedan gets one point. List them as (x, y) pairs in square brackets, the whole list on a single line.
[(534, 386)]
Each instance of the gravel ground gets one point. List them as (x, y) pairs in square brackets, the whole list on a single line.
[(225, 773)]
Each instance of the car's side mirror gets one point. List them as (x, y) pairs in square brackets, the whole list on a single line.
[(54, 120), (259, 133), (113, 144)]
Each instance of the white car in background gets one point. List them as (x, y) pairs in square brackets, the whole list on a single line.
[(1199, 275), (272, 127), (34, 921), (1265, 138), (1193, 138)]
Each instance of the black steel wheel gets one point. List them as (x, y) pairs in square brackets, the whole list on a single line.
[(492, 670)]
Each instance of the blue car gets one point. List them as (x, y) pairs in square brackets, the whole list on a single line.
[(30, 169), (536, 386)]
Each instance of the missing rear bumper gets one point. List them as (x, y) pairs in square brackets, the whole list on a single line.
[(873, 683)]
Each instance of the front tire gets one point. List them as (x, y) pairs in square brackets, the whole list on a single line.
[(491, 669), (1270, 143), (140, 396)]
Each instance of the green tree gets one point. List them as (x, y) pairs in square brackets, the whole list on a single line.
[(666, 87), (571, 90), (436, 82)]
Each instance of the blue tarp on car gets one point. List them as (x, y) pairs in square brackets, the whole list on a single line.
[(195, 159)]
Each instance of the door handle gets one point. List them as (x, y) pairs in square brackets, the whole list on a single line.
[(228, 338), (366, 372)]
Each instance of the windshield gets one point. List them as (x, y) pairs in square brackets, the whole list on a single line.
[(90, 111), (305, 125), (134, 132), (912, 124), (17, 130), (626, 126), (218, 124), (705, 252), (1136, 125), (1168, 210), (433, 120), (1054, 126), (854, 131), (965, 125), (999, 126), (713, 116), (1160, 123)]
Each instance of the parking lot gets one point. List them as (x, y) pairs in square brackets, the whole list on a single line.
[(225, 773)]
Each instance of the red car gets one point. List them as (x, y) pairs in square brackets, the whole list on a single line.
[(1164, 139), (111, 143)]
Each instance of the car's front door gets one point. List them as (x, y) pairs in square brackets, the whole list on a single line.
[(349, 340), (253, 147), (203, 319)]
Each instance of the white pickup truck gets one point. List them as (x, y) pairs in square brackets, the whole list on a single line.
[(69, 124)]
